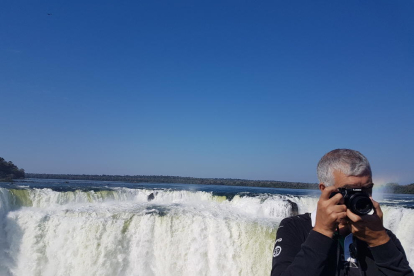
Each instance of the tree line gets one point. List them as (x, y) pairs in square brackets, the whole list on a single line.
[(399, 189), (9, 171), (389, 188), (178, 179)]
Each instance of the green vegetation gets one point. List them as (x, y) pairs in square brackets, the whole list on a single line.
[(9, 171), (179, 179), (399, 189), (389, 188)]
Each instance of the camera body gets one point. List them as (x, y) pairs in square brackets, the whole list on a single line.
[(356, 200)]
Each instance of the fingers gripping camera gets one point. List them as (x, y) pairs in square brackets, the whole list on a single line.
[(356, 200)]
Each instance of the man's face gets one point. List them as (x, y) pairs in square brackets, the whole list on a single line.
[(344, 181)]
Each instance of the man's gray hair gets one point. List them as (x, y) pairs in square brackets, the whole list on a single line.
[(350, 162)]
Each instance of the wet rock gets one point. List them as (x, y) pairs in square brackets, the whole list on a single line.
[(151, 197), (294, 208)]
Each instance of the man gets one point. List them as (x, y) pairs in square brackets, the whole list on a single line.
[(333, 240)]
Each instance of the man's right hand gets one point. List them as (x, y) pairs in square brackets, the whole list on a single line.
[(329, 213)]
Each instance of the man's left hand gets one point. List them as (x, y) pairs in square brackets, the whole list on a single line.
[(369, 228)]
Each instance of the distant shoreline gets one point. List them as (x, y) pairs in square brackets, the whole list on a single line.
[(389, 188), (179, 179)]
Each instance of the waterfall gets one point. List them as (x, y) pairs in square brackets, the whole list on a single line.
[(149, 232)]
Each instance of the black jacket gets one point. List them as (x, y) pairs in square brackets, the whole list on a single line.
[(301, 251)]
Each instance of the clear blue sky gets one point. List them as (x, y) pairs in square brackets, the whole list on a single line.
[(234, 89)]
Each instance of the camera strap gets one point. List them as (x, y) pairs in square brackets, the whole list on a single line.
[(350, 251), (347, 254)]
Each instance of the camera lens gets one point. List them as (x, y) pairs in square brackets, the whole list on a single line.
[(360, 204)]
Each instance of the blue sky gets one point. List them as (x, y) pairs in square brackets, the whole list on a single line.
[(234, 89)]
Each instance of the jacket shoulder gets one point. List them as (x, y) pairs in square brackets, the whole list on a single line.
[(299, 219), (301, 223)]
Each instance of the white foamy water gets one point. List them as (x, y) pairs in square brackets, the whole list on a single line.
[(121, 232)]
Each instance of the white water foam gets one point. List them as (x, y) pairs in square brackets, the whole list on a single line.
[(122, 233), (401, 222)]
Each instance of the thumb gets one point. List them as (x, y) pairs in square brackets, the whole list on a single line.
[(377, 208)]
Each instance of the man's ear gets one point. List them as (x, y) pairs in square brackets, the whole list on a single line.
[(321, 186)]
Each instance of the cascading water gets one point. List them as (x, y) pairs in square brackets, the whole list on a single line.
[(149, 232)]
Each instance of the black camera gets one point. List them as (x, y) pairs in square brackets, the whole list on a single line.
[(356, 200)]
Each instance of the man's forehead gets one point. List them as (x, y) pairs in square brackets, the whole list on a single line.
[(342, 179), (358, 185)]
